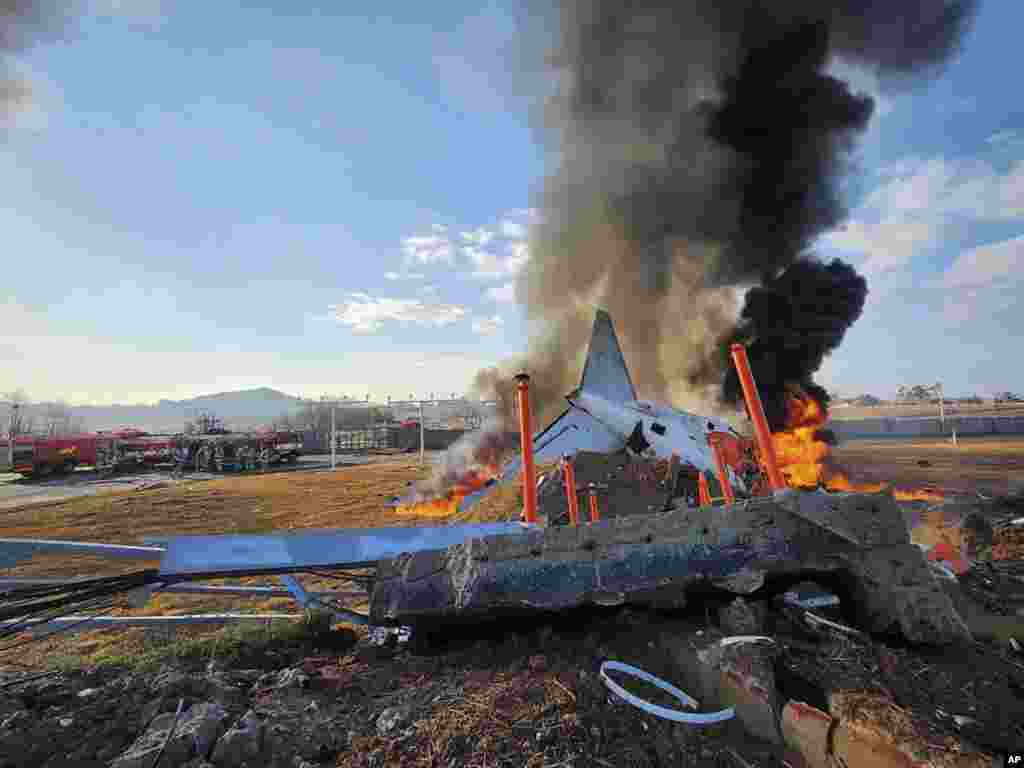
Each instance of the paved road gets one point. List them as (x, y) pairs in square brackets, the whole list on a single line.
[(16, 491)]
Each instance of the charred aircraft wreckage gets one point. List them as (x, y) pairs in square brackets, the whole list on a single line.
[(651, 535)]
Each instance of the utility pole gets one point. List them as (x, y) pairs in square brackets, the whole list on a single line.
[(942, 408), (10, 433), (421, 433), (334, 437)]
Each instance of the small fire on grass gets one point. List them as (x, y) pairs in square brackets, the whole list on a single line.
[(803, 452), (471, 464), (447, 504)]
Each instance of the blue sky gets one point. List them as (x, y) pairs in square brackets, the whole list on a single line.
[(200, 200)]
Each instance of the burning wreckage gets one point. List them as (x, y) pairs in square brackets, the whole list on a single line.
[(650, 533)]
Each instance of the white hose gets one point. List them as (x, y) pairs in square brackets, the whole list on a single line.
[(691, 718)]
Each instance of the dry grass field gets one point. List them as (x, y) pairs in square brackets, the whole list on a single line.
[(356, 497), (986, 464), (844, 413)]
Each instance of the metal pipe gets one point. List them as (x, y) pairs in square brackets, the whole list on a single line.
[(526, 445), (703, 494), (723, 472), (188, 588), (756, 410), (595, 512), (570, 490)]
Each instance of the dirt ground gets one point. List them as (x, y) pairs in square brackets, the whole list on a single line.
[(976, 464), (357, 497), (528, 693)]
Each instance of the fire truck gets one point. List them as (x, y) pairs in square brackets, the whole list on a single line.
[(39, 457), (43, 456)]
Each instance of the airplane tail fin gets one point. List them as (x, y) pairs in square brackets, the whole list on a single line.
[(605, 373)]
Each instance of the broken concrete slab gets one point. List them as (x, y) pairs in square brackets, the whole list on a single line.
[(629, 559), (895, 591)]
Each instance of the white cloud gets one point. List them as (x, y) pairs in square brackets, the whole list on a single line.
[(987, 264), (403, 275), (487, 326), (489, 265), (921, 201), (519, 254), (504, 294), (480, 236), (968, 188), (439, 229), (887, 244), (512, 229), (366, 314), (428, 249)]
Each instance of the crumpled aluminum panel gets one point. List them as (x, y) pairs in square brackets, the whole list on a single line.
[(235, 554)]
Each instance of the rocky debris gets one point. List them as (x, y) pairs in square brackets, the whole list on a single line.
[(741, 676), (192, 734), (292, 679), (895, 591), (741, 617), (242, 744), (392, 718)]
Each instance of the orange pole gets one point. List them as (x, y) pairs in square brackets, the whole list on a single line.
[(570, 491), (595, 513), (526, 443), (723, 473), (702, 490), (756, 409)]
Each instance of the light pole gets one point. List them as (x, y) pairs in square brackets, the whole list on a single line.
[(334, 441), (421, 433), (10, 432)]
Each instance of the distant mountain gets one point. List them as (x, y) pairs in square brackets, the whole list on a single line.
[(241, 410)]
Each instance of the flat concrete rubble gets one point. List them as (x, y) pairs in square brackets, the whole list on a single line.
[(656, 558)]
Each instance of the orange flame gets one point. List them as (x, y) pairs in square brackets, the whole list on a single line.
[(804, 457), (447, 504)]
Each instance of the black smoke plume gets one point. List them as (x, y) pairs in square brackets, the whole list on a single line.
[(789, 325), (700, 146)]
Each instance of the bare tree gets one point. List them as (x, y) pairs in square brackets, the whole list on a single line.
[(59, 420), (20, 421)]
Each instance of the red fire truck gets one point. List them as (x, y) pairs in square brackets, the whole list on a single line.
[(107, 451), (42, 456)]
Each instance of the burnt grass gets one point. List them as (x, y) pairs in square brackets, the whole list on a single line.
[(525, 691)]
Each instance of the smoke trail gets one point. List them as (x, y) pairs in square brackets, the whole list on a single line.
[(700, 147)]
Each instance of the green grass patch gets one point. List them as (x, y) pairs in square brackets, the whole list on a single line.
[(236, 646)]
